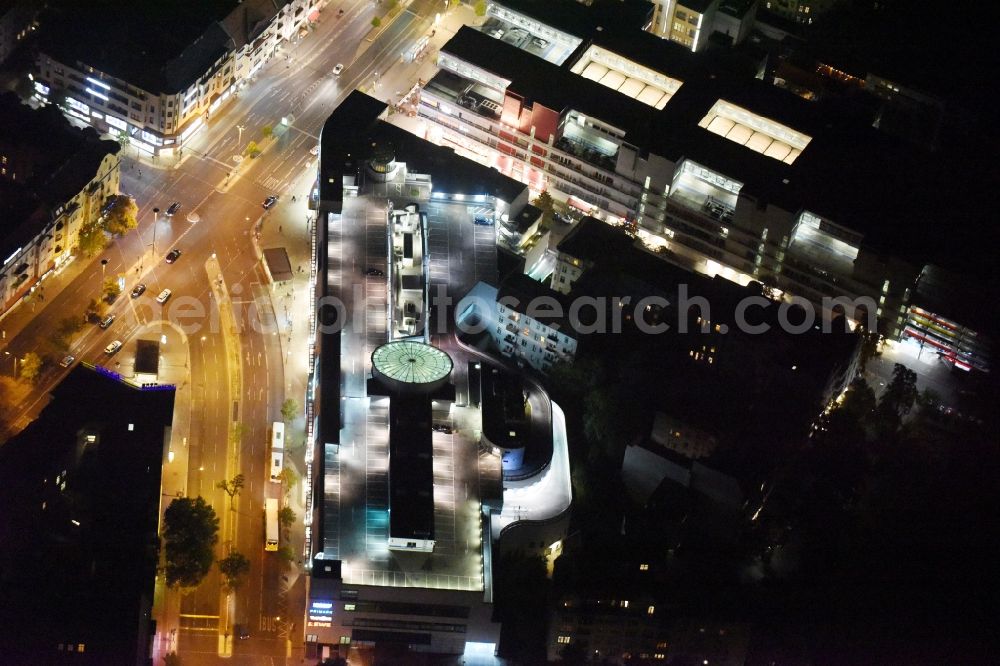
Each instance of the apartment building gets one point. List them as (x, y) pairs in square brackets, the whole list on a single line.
[(54, 180), (17, 20), (156, 74), (723, 173)]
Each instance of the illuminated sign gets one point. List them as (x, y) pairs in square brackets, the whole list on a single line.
[(320, 614), (99, 83)]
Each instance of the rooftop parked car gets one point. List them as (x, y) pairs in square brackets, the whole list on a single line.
[(138, 290), (270, 201), (174, 207), (173, 255), (107, 321), (113, 347)]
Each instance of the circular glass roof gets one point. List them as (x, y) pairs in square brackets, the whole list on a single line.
[(411, 362)]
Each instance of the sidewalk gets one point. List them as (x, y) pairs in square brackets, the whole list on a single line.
[(287, 226)]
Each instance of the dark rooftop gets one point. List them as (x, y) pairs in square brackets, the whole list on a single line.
[(591, 238), (78, 524), (527, 217), (411, 469), (530, 297), (169, 44)]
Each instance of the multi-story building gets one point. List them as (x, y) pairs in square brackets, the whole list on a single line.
[(801, 11), (722, 172), (528, 321), (54, 180), (17, 20), (157, 78)]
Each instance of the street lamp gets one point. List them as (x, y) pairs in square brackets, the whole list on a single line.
[(104, 267)]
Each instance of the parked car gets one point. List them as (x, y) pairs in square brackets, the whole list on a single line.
[(113, 347), (164, 295), (173, 255), (270, 201), (138, 290), (376, 272), (174, 207), (442, 427), (107, 321), (67, 360), (483, 221), (337, 69)]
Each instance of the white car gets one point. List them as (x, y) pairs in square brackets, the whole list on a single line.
[(338, 69), (164, 295), (113, 347)]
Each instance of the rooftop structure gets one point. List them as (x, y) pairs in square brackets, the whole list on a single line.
[(79, 501), (407, 366)]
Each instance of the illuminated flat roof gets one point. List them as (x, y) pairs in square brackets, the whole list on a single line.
[(759, 134), (411, 362), (626, 76)]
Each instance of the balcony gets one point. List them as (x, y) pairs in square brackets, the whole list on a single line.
[(586, 153)]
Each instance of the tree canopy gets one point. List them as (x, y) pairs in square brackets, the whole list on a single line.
[(190, 532), (234, 568), (123, 215)]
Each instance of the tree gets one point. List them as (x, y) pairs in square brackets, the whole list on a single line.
[(289, 409), (266, 132), (286, 555), (122, 217), (252, 149), (231, 488), (897, 400), (480, 8), (234, 567), (869, 348), (190, 531), (111, 290), (31, 367), (288, 478), (96, 309), (391, 4), (63, 334), (376, 22), (545, 202), (236, 434), (91, 239), (123, 138), (286, 516)]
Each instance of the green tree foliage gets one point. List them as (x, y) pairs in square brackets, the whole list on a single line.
[(92, 238), (288, 478), (286, 516), (547, 205), (252, 149), (123, 138), (31, 367), (266, 132), (236, 434), (190, 531), (289, 409), (897, 400), (232, 487), (96, 309), (123, 216), (234, 567), (110, 290), (286, 556), (376, 22), (480, 7)]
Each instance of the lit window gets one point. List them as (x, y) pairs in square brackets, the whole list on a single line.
[(349, 607), (131, 427), (625, 603), (564, 640), (345, 640), (650, 610), (643, 567)]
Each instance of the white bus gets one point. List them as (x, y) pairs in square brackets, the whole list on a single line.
[(277, 450), (271, 526)]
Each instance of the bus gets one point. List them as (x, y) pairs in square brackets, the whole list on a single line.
[(271, 526), (277, 450)]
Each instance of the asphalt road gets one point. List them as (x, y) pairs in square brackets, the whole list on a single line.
[(297, 85)]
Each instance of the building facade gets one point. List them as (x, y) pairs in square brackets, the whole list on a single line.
[(17, 20), (161, 106), (54, 181), (740, 183)]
